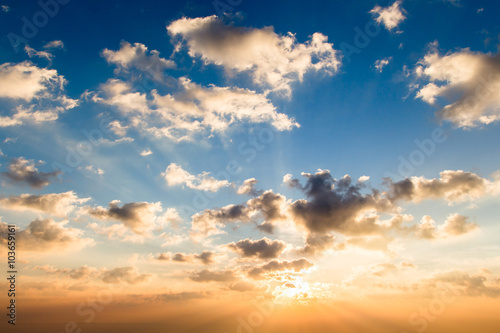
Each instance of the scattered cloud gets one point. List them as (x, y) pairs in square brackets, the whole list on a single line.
[(262, 249), (213, 276), (380, 64), (176, 175), (31, 52), (139, 217), (57, 204), (146, 152), (137, 56), (24, 83), (23, 171), (192, 111), (128, 274), (391, 17), (467, 80), (275, 266), (45, 234), (55, 44), (273, 61), (248, 187)]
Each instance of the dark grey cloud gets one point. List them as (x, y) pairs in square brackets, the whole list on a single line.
[(262, 249), (279, 266), (23, 171)]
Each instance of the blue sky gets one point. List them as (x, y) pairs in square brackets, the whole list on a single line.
[(175, 105)]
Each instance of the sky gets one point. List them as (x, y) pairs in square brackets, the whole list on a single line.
[(251, 166)]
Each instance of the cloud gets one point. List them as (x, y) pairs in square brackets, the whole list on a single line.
[(79, 273), (390, 16), (248, 187), (21, 170), (380, 64), (279, 266), (176, 175), (468, 81), (31, 52), (137, 56), (455, 225), (476, 285), (273, 61), (58, 204), (206, 257), (381, 270), (269, 205), (124, 274), (211, 221), (213, 276), (262, 249), (5, 8), (337, 205), (192, 111), (453, 186), (317, 243), (55, 44), (45, 235), (139, 217), (37, 92), (146, 152)]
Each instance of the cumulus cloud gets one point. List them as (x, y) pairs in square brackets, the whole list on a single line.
[(46, 235), (248, 187), (455, 225), (176, 175), (276, 266), (58, 204), (453, 186), (337, 205), (269, 205), (468, 81), (262, 249), (390, 16), (139, 217), (137, 56), (37, 92), (317, 243), (192, 111), (213, 276), (21, 170), (273, 61), (128, 274)]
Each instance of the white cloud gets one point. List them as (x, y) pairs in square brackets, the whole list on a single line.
[(176, 175), (31, 52), (5, 8), (192, 111), (468, 80), (274, 61), (55, 44), (146, 152), (137, 56), (29, 83), (390, 16), (380, 64)]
